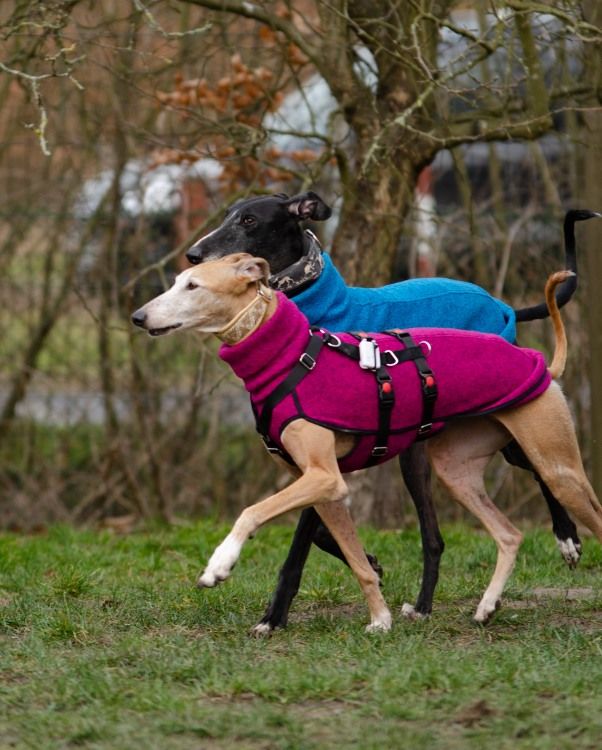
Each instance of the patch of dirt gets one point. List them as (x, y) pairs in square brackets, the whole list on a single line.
[(320, 710), (536, 596), (194, 633), (316, 609), (570, 594), (475, 713), (309, 709), (10, 676), (590, 624)]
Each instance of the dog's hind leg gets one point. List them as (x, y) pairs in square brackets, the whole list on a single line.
[(325, 541), (337, 518), (565, 531), (545, 431), (416, 472), (459, 456), (289, 577), (310, 529)]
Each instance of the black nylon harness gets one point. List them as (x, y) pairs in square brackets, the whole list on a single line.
[(411, 352)]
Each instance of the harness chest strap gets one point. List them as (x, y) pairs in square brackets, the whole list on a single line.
[(386, 395), (306, 363), (427, 383)]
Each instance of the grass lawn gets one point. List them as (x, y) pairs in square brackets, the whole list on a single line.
[(105, 643)]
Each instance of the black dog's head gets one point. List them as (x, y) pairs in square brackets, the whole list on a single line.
[(267, 227)]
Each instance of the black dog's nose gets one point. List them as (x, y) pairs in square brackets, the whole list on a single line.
[(138, 318), (194, 256)]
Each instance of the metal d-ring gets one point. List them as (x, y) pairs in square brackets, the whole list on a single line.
[(394, 357), (427, 344)]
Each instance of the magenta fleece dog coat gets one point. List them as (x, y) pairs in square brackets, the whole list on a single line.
[(476, 373)]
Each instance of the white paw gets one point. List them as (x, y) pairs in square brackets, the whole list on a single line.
[(486, 610), (380, 624), (570, 551), (220, 564), (208, 580), (261, 630), (410, 613)]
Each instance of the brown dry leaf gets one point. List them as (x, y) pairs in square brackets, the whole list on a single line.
[(120, 524)]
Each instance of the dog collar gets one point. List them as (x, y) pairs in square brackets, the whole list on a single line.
[(302, 272), (248, 319)]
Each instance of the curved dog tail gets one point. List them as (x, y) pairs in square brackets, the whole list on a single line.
[(559, 360), (564, 295)]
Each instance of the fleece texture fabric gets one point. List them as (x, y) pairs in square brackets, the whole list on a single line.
[(476, 373), (416, 303)]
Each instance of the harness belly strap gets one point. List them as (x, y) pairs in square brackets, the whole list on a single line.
[(386, 395)]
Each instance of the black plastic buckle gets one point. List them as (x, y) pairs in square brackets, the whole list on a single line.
[(307, 361), (386, 397), (379, 450), (429, 389)]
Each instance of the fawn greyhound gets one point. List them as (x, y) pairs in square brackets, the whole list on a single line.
[(266, 341), (270, 227)]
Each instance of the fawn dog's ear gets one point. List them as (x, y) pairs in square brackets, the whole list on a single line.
[(308, 206), (253, 269)]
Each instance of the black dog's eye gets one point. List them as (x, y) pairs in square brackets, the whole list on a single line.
[(247, 220), (191, 285)]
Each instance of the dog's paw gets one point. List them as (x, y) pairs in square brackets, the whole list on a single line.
[(486, 610), (410, 612), (570, 551), (261, 630), (209, 580), (213, 575), (221, 563), (380, 624)]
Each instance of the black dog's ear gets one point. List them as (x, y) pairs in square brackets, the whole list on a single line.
[(309, 206)]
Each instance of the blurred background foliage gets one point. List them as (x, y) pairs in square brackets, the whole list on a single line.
[(449, 138)]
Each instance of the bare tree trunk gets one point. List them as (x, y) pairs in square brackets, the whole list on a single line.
[(372, 220), (592, 198)]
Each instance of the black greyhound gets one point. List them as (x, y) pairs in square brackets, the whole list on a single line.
[(269, 227)]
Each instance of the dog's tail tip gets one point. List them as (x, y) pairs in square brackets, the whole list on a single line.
[(558, 277), (558, 363), (581, 214)]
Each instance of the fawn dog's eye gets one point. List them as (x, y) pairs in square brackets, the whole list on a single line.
[(191, 285)]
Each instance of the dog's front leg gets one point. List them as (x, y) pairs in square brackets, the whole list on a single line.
[(321, 484), (313, 450), (314, 485)]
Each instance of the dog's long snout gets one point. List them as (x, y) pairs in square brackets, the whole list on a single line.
[(139, 318), (194, 255)]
